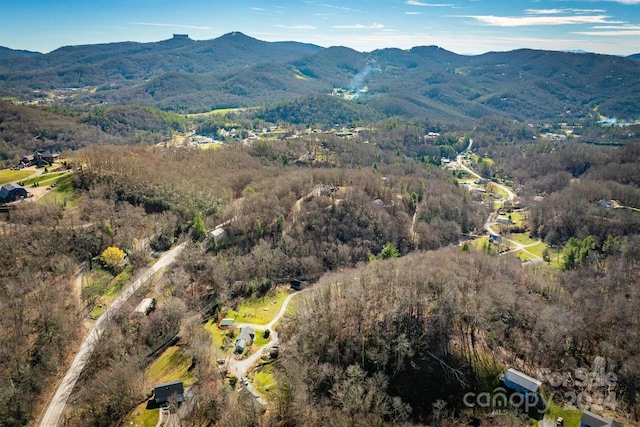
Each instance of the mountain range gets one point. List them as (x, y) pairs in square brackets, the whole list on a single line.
[(236, 70)]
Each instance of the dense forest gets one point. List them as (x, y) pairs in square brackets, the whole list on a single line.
[(333, 169), (435, 323)]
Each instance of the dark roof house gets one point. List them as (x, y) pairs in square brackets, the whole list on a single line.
[(27, 160), (162, 392), (12, 192), (520, 382), (46, 158), (296, 284), (589, 419)]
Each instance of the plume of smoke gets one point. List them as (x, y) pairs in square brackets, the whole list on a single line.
[(356, 85)]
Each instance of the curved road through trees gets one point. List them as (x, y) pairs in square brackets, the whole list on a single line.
[(491, 220), (53, 412)]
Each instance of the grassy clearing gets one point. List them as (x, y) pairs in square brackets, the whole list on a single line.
[(259, 310), (172, 365), (214, 112), (118, 282), (264, 381), (537, 249), (523, 239), (211, 146), (260, 340), (142, 417), (97, 311), (44, 179), (219, 336), (8, 175), (479, 243), (571, 416), (519, 218), (492, 187), (60, 198), (100, 287)]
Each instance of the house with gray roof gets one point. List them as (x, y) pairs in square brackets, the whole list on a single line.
[(589, 419), (520, 382), (245, 339)]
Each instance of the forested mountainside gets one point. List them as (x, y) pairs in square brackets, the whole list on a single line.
[(236, 70), (395, 228)]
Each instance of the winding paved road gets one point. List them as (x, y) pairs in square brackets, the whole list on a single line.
[(53, 412), (491, 220)]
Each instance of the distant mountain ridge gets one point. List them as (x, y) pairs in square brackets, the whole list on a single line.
[(233, 70), (6, 53)]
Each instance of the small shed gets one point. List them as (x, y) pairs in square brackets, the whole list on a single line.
[(226, 322), (589, 419), (605, 204), (503, 220), (520, 382), (163, 392), (12, 192), (241, 344), (145, 306), (218, 234), (274, 352)]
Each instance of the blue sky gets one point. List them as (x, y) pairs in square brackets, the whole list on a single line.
[(462, 26)]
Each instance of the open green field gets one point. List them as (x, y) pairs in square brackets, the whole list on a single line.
[(523, 238), (210, 146), (519, 218), (480, 242), (264, 381), (571, 416), (101, 287), (259, 310), (537, 249), (172, 365), (63, 195), (142, 417), (8, 175), (218, 111), (44, 179), (492, 187)]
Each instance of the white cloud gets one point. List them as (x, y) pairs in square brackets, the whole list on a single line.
[(296, 27), (522, 21), (348, 9), (621, 33), (259, 9), (160, 24), (625, 1), (413, 13), (559, 11), (419, 3), (612, 30), (374, 26), (542, 11)]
